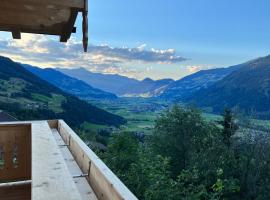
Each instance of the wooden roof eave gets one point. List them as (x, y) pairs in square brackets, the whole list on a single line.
[(48, 17)]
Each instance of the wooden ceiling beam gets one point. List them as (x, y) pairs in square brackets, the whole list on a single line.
[(31, 29), (79, 4), (67, 30), (40, 18), (16, 34), (51, 17)]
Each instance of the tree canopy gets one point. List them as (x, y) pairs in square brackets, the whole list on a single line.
[(189, 158)]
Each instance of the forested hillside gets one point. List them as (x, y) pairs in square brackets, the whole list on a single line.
[(28, 97), (246, 89), (187, 86)]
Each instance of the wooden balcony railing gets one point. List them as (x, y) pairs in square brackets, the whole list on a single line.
[(38, 159), (104, 182)]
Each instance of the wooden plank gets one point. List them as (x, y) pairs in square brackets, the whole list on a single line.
[(22, 192), (50, 176), (41, 18), (18, 136), (49, 169), (106, 185), (48, 3), (81, 183), (32, 29)]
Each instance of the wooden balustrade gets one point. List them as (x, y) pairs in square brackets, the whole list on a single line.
[(104, 182), (20, 175)]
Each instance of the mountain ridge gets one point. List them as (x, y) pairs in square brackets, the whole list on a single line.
[(188, 85), (117, 84), (247, 89), (69, 84), (28, 97)]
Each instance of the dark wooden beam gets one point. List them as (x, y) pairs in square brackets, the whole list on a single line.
[(68, 29), (74, 30), (85, 26), (79, 4), (16, 34)]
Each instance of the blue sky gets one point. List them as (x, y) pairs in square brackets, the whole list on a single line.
[(199, 34)]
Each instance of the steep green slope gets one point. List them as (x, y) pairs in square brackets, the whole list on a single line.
[(28, 97), (188, 85), (247, 88)]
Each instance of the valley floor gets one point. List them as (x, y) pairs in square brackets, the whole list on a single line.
[(141, 114)]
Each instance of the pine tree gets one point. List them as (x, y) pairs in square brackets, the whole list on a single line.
[(229, 127)]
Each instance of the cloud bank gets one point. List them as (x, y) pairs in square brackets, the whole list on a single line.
[(48, 52)]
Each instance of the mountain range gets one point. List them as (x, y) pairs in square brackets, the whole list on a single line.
[(120, 85), (28, 97), (167, 89), (246, 89), (68, 84), (189, 85)]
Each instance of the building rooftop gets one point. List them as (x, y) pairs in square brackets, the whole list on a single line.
[(47, 160), (5, 117)]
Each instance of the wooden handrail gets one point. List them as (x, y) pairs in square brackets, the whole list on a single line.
[(104, 182)]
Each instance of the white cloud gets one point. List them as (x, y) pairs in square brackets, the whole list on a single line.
[(46, 51)]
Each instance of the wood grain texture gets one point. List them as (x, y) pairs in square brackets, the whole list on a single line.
[(16, 193), (38, 16), (104, 182), (50, 176), (18, 136), (81, 183)]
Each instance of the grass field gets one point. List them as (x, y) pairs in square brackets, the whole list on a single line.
[(54, 103), (141, 114), (211, 117), (92, 127), (12, 91)]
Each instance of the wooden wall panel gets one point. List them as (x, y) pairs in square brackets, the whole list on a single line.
[(18, 136), (16, 193)]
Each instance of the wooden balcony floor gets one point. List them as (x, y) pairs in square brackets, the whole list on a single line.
[(81, 183)]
